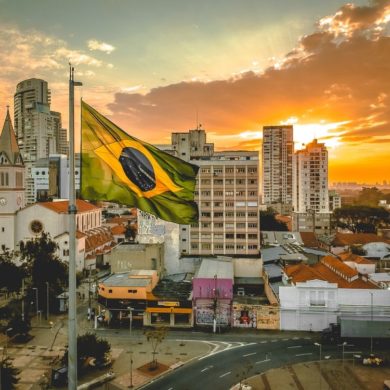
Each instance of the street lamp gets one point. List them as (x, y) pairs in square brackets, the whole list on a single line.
[(36, 300), (89, 291), (320, 346), (344, 345), (47, 301), (131, 369)]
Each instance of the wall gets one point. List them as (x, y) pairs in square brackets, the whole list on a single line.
[(126, 257), (250, 268), (204, 288)]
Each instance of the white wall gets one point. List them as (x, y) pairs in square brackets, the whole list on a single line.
[(297, 313)]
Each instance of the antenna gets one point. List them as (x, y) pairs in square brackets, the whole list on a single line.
[(197, 119)]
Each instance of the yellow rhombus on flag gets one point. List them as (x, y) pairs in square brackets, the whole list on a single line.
[(116, 167)]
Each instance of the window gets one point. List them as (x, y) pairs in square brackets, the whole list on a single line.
[(206, 246), (229, 193), (205, 170), (205, 181), (252, 170), (218, 215), (194, 246), (229, 204), (252, 236), (110, 291), (240, 247), (206, 214), (132, 291), (241, 225), (218, 193), (229, 170), (240, 170), (240, 236), (240, 214), (218, 181), (229, 236), (218, 246), (206, 224), (252, 247), (252, 225), (229, 214)]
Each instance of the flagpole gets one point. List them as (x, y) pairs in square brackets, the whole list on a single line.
[(72, 210)]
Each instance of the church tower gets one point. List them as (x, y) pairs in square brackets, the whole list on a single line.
[(12, 195)]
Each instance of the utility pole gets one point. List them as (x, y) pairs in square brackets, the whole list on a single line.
[(36, 301), (72, 211), (215, 304), (89, 293)]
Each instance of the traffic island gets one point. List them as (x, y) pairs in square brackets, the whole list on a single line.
[(153, 369)]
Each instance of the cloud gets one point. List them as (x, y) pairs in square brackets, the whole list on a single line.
[(93, 44)]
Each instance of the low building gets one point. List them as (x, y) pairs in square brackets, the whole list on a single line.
[(129, 256), (381, 279), (359, 263), (122, 293), (170, 303), (343, 242), (213, 292), (315, 296)]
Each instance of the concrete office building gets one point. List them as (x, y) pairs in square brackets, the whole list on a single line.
[(38, 130), (227, 194), (310, 189), (277, 159)]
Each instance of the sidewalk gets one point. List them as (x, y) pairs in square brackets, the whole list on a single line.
[(330, 375)]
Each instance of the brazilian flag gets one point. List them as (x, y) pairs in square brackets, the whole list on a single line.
[(118, 168)]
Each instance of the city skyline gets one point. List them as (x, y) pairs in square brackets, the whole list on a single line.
[(230, 68)]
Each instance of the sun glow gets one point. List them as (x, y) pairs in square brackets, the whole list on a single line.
[(329, 133)]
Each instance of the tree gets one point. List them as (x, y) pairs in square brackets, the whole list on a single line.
[(11, 275), (361, 219), (9, 374), (369, 196), (269, 223), (90, 346), (243, 372), (155, 336), (44, 266)]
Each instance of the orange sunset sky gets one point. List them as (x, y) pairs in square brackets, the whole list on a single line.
[(152, 66)]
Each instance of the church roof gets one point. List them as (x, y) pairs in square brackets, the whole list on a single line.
[(8, 144)]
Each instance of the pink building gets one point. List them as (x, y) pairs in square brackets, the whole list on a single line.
[(213, 292)]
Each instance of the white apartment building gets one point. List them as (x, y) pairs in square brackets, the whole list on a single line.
[(310, 189), (38, 130), (228, 201), (227, 194), (277, 163)]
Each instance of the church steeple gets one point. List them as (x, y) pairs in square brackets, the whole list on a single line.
[(9, 149)]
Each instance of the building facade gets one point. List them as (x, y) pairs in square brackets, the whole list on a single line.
[(12, 196), (38, 130), (227, 194), (310, 189), (277, 163)]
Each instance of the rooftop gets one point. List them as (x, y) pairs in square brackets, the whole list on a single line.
[(169, 289), (125, 280), (348, 256), (222, 269), (61, 207)]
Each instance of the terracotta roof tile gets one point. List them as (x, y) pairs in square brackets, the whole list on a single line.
[(309, 239), (117, 230), (320, 271), (344, 239), (339, 266), (61, 207), (348, 256)]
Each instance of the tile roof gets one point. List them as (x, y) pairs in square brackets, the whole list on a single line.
[(338, 266), (61, 207), (118, 229), (344, 239), (348, 256), (309, 239), (321, 271)]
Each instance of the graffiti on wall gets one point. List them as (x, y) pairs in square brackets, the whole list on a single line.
[(205, 314)]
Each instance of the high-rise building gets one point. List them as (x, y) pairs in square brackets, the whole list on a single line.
[(11, 184), (227, 193), (310, 189), (38, 130), (277, 157)]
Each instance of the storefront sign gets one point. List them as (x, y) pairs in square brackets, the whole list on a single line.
[(167, 303)]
